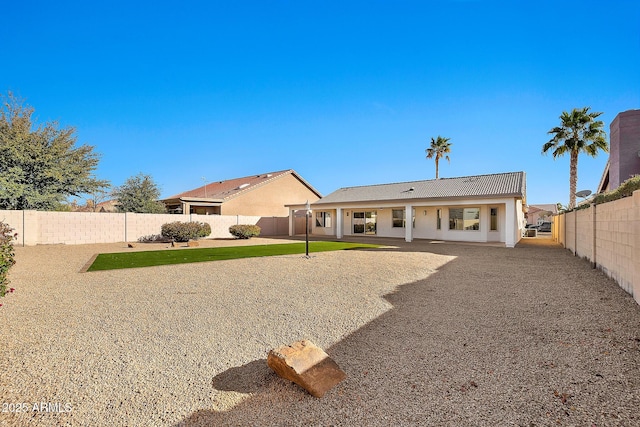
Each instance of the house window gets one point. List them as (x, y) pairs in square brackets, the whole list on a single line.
[(464, 218), (494, 219), (365, 222), (439, 219), (323, 219), (399, 218)]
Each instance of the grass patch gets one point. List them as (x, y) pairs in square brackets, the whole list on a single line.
[(116, 261)]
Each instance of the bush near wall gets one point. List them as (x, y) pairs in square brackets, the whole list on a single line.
[(244, 231), (7, 260), (185, 231), (626, 189)]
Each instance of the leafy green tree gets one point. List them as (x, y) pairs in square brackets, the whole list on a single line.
[(41, 165), (579, 132), (139, 194), (440, 147)]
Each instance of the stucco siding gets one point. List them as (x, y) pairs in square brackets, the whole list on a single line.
[(426, 221), (270, 199)]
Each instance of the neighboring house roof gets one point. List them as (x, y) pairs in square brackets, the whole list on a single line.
[(604, 180), (544, 208), (510, 184), (228, 189), (106, 206)]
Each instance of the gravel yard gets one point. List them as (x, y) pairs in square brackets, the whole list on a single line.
[(428, 333)]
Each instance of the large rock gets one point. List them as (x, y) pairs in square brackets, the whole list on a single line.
[(307, 365)]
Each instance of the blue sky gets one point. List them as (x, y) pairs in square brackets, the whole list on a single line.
[(346, 93)]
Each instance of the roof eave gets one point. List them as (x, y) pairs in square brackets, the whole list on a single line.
[(426, 199)]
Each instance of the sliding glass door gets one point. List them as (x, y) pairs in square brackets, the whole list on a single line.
[(364, 222)]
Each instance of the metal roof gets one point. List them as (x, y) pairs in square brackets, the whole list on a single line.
[(510, 184)]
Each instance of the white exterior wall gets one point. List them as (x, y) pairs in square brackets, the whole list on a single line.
[(323, 231), (426, 225)]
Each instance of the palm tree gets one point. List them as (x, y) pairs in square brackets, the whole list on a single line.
[(579, 132), (439, 149)]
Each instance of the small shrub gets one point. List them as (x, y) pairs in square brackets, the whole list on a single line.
[(153, 238), (7, 259), (626, 189), (244, 231), (185, 231)]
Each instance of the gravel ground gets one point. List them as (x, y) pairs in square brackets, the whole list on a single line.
[(428, 334)]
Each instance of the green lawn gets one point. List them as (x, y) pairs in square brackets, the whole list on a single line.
[(120, 260)]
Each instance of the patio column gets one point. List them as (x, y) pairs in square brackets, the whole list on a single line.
[(338, 223), (408, 223), (291, 221), (510, 224)]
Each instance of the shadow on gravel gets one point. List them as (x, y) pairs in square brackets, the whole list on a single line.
[(525, 336), (249, 378)]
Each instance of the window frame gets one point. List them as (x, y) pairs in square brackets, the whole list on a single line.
[(398, 222), (455, 222), (404, 218), (493, 226), (323, 219)]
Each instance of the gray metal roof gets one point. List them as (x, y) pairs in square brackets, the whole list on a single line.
[(510, 184)]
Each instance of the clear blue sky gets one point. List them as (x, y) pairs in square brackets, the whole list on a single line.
[(344, 92)]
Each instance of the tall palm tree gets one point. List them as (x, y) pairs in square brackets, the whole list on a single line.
[(439, 149), (578, 132)]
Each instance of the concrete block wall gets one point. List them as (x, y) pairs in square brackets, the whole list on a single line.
[(74, 228), (636, 245), (570, 231), (16, 220), (608, 235), (220, 223), (584, 235), (138, 225), (615, 241), (558, 226), (39, 227)]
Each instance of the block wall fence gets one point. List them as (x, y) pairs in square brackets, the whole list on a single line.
[(39, 227), (608, 235)]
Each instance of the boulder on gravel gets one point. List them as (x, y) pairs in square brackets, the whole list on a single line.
[(307, 365)]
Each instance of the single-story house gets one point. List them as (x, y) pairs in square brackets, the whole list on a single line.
[(261, 195), (537, 214), (482, 208)]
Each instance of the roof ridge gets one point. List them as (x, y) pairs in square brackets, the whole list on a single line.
[(428, 180), (252, 176), (242, 190), (275, 174)]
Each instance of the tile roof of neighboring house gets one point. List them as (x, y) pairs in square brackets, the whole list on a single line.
[(544, 208), (106, 206), (500, 184), (228, 189)]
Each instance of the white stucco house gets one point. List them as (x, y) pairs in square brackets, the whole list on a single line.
[(482, 208)]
